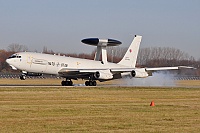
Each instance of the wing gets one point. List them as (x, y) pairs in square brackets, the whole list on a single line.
[(112, 73), (168, 68), (99, 74), (69, 71)]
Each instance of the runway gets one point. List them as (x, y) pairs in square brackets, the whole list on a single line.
[(58, 86), (121, 83)]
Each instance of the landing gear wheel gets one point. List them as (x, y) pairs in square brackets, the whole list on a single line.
[(22, 77), (94, 83), (90, 83), (63, 83), (87, 83), (70, 83), (67, 83)]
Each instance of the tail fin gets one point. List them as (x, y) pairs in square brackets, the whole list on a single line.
[(130, 57)]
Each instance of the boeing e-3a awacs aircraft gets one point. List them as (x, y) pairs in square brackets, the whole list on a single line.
[(31, 63)]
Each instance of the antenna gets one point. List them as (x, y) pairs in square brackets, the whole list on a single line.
[(101, 46)]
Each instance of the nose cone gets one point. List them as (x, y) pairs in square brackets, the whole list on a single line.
[(11, 64), (7, 60)]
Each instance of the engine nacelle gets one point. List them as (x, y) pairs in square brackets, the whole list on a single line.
[(139, 73), (104, 74)]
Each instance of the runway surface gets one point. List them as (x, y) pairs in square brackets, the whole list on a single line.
[(159, 82), (83, 86)]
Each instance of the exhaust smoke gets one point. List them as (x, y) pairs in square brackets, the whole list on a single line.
[(158, 79)]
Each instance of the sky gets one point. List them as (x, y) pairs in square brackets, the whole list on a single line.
[(60, 25)]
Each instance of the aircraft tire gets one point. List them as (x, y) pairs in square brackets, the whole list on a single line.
[(94, 83), (90, 83), (63, 83), (70, 83), (66, 83), (87, 83), (22, 77)]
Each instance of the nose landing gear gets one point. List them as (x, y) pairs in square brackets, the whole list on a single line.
[(22, 77)]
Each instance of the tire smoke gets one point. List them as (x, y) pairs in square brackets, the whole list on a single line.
[(161, 79)]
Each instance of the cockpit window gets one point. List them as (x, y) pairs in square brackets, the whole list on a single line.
[(12, 56), (15, 56)]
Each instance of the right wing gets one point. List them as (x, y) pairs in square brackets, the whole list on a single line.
[(168, 68)]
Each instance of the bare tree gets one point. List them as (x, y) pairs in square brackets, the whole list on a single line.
[(115, 54), (15, 47), (46, 51), (3, 56), (157, 56)]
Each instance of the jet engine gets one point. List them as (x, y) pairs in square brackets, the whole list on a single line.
[(139, 73), (104, 74)]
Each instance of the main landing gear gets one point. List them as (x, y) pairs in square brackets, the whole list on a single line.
[(67, 83), (87, 83), (91, 83)]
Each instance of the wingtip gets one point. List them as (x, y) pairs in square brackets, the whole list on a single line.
[(186, 67)]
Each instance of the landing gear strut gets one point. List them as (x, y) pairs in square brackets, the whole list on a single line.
[(91, 83), (67, 83)]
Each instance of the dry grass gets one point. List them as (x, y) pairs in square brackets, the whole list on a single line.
[(30, 82), (116, 109), (188, 83)]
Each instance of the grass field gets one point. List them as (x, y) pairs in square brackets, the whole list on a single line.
[(99, 109)]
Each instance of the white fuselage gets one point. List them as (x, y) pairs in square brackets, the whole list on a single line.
[(52, 64)]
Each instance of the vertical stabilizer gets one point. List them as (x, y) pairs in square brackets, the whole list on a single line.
[(130, 57)]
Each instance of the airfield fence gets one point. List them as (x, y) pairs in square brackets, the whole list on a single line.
[(16, 76), (187, 78)]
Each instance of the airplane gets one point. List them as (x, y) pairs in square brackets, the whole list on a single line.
[(70, 68)]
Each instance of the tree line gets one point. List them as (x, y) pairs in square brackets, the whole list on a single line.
[(147, 57)]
